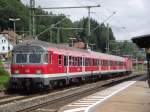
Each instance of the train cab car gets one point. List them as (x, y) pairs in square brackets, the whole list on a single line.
[(29, 64)]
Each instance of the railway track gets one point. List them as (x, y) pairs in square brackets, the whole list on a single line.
[(7, 99), (54, 99)]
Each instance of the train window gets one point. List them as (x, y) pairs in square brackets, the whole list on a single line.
[(86, 63), (50, 57), (35, 58), (99, 62), (70, 60), (73, 61), (76, 61), (110, 63), (80, 61), (21, 58), (94, 62), (45, 58), (59, 59), (117, 63), (105, 63), (114, 63), (65, 61)]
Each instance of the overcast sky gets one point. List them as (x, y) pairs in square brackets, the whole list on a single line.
[(132, 17)]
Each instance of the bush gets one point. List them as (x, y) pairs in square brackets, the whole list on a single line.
[(4, 76)]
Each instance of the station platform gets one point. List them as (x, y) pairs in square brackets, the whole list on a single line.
[(129, 96)]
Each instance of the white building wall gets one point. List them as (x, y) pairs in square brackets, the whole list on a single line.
[(5, 46)]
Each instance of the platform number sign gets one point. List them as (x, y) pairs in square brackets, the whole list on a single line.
[(148, 54)]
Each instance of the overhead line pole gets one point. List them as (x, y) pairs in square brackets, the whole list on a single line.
[(107, 38), (89, 22), (32, 18)]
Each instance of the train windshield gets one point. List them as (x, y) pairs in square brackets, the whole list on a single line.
[(34, 58), (21, 58)]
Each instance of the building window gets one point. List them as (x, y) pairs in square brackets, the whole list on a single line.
[(3, 48), (8, 47)]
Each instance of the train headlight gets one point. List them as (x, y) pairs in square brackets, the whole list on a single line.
[(27, 70), (38, 71), (16, 71)]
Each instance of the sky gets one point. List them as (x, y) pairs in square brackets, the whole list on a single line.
[(132, 17)]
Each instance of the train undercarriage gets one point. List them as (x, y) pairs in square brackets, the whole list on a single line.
[(35, 84)]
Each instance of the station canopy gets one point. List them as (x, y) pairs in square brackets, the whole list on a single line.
[(142, 41)]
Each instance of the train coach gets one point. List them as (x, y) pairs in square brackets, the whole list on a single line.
[(40, 64)]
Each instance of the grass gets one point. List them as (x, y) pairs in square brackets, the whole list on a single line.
[(3, 81), (4, 76)]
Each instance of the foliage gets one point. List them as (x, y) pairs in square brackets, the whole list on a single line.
[(13, 9), (4, 76), (4, 81), (99, 34)]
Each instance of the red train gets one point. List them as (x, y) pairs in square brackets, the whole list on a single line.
[(41, 64)]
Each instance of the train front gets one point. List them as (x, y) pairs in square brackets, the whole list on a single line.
[(29, 64)]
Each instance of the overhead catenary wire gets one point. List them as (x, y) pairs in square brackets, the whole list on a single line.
[(53, 25), (104, 21)]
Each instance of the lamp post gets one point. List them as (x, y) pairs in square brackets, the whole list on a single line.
[(14, 21)]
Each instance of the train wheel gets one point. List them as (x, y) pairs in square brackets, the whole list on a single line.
[(61, 83), (51, 85)]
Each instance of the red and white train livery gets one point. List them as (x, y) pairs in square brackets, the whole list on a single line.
[(38, 63)]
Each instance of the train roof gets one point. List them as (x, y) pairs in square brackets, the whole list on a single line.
[(71, 51)]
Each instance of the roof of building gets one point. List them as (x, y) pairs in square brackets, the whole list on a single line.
[(142, 41), (11, 34)]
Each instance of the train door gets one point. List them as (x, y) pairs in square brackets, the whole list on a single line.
[(66, 64), (83, 64), (60, 63)]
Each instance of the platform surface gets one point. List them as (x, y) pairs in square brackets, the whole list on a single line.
[(135, 98), (129, 96)]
